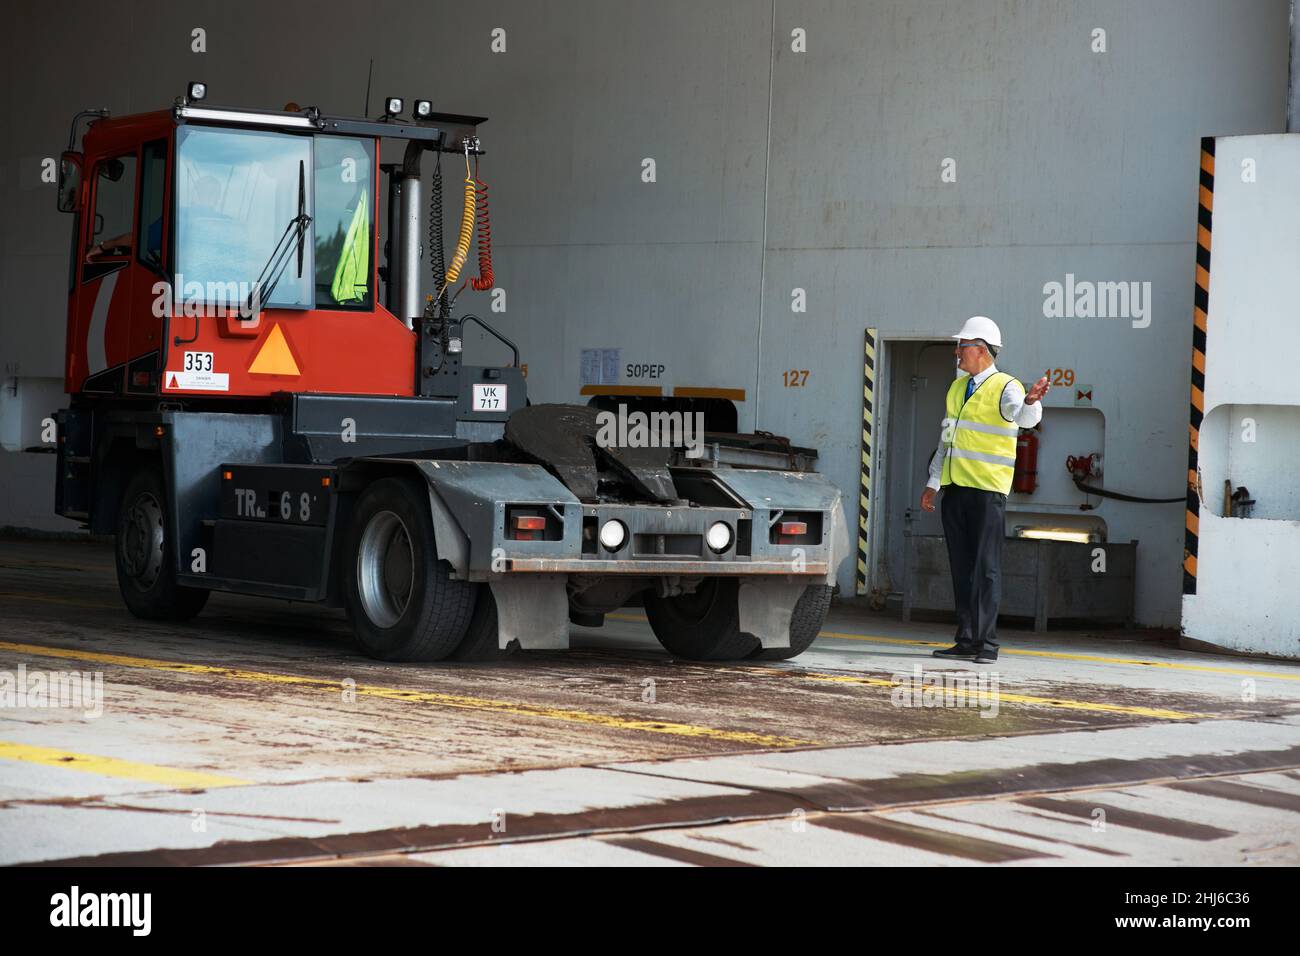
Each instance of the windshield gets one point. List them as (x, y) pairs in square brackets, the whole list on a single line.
[(236, 193)]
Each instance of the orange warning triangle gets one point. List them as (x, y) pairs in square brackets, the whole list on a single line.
[(172, 383), (274, 357)]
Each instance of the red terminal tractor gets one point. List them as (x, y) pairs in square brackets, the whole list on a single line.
[(249, 414)]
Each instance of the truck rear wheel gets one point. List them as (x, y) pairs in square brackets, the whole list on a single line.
[(146, 563), (705, 626), (701, 626), (402, 601), (805, 624)]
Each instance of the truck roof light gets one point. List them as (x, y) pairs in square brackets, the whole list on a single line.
[(392, 106), (423, 109), (252, 117), (196, 92)]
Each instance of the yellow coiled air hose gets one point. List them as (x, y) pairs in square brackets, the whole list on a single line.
[(466, 232)]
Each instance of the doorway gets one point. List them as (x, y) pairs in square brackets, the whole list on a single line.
[(914, 378)]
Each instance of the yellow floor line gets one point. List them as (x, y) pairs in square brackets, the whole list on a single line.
[(112, 767), (1002, 697), (1057, 655), (419, 697)]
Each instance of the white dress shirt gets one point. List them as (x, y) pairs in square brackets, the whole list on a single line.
[(1014, 409)]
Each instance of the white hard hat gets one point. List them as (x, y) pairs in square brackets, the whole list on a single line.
[(981, 327)]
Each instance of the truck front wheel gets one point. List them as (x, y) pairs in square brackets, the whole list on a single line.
[(146, 564), (402, 601)]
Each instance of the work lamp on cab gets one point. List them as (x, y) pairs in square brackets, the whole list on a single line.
[(392, 106), (423, 109), (196, 92)]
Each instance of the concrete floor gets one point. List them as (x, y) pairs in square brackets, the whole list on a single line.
[(257, 735)]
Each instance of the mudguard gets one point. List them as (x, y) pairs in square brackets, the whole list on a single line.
[(467, 500)]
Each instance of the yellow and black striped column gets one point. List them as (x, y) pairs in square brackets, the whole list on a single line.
[(864, 490), (1200, 310)]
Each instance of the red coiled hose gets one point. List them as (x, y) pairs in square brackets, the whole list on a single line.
[(485, 279)]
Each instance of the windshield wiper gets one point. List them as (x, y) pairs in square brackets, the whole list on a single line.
[(279, 258)]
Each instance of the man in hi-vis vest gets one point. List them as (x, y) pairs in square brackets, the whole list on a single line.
[(973, 464)]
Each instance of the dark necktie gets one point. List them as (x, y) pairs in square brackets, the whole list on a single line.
[(970, 388)]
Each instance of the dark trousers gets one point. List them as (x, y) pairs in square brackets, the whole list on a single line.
[(973, 529)]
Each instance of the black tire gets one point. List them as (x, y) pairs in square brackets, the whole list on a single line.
[(703, 626), (805, 624), (401, 600), (481, 641), (145, 554)]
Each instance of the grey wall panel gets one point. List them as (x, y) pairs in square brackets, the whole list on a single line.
[(1067, 161), (679, 305)]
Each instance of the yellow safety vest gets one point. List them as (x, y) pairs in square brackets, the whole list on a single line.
[(352, 274), (979, 445)]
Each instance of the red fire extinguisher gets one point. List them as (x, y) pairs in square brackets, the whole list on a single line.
[(1025, 478)]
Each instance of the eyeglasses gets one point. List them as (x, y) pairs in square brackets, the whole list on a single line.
[(970, 345)]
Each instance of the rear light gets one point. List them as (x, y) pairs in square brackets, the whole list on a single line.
[(525, 524), (804, 527)]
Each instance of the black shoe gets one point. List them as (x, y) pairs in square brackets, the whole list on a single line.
[(986, 656), (958, 652)]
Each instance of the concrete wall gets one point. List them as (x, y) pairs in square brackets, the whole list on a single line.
[(775, 170)]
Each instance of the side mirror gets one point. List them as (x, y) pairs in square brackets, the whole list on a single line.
[(69, 181)]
